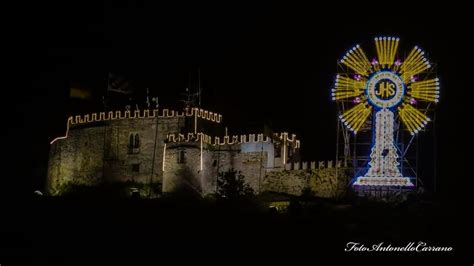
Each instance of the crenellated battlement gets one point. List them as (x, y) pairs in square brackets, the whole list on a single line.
[(284, 138), (204, 114), (226, 140), (140, 114), (230, 140), (314, 165)]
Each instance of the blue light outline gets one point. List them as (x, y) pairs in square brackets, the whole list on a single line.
[(377, 107)]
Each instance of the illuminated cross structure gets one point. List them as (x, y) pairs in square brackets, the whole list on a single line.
[(388, 89)]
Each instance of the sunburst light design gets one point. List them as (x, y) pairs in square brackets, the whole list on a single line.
[(385, 88)]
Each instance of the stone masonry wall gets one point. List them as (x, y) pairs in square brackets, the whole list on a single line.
[(79, 159), (178, 176), (76, 161), (99, 152), (322, 182), (288, 182), (184, 176)]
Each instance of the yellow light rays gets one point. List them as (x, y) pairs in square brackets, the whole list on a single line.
[(386, 50), (427, 90), (413, 119), (347, 88), (357, 61), (356, 116), (415, 63)]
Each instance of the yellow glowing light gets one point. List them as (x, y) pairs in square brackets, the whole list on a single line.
[(79, 93), (111, 115), (386, 50), (427, 90), (347, 88), (201, 152), (413, 119), (355, 117), (285, 137), (357, 61), (414, 64), (195, 122), (139, 114), (164, 157)]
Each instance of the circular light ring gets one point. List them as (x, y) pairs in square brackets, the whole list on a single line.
[(374, 80)]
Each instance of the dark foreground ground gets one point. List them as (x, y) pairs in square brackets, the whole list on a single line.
[(148, 232)]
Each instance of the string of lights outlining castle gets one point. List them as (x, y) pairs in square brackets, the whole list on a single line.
[(192, 147), (122, 146)]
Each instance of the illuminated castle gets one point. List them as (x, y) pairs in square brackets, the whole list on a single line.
[(172, 151)]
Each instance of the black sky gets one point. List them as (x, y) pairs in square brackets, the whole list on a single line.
[(258, 62)]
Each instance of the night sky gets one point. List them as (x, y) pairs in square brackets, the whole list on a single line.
[(258, 62)]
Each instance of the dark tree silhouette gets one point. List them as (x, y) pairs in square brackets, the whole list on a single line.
[(231, 185)]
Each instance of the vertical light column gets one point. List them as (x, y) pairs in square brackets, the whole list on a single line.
[(201, 150), (284, 150), (195, 120), (164, 157)]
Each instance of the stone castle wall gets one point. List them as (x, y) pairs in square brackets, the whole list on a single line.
[(80, 158), (189, 175), (96, 149), (319, 182), (80, 154)]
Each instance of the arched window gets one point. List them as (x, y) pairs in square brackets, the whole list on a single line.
[(137, 142)]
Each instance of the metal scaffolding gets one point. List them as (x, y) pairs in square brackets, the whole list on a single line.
[(354, 149)]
